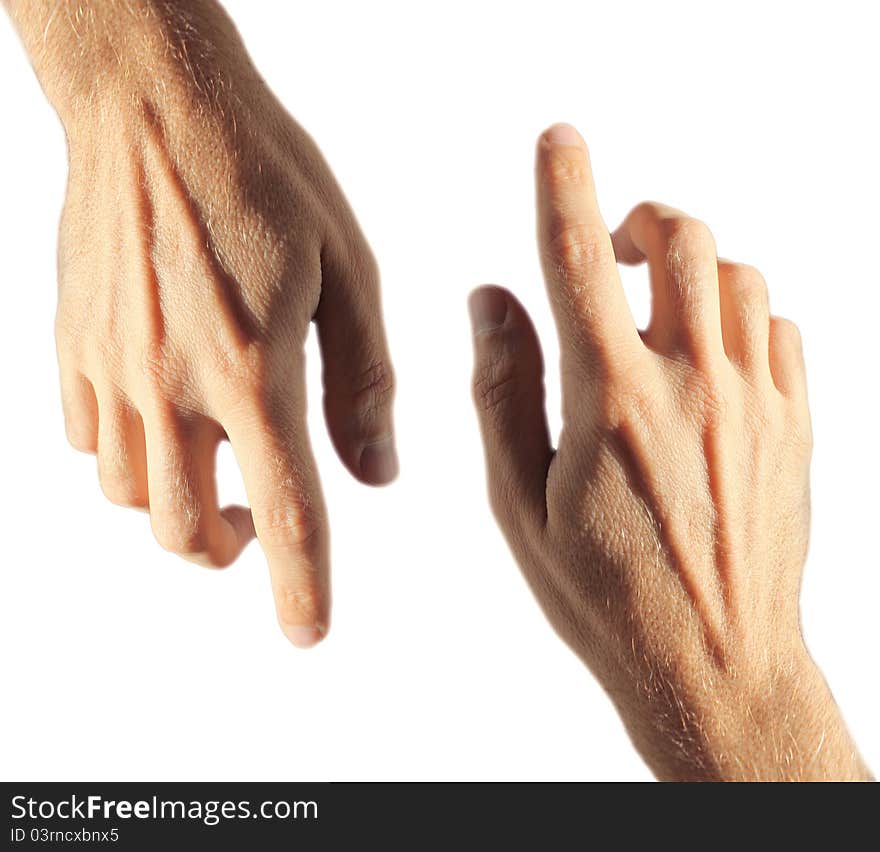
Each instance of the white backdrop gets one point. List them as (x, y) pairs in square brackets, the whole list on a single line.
[(121, 662)]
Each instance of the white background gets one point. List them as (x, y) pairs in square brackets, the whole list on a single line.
[(121, 662)]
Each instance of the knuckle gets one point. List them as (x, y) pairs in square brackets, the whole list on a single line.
[(565, 167), (80, 437), (710, 400), (787, 332), (578, 246), (212, 559), (496, 382), (747, 275), (624, 399), (241, 365), (686, 237), (373, 388), (645, 211), (182, 533), (121, 489), (114, 475), (748, 282), (162, 375), (292, 525)]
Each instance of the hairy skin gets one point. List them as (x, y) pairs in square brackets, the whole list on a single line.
[(664, 537), (201, 233), (666, 534)]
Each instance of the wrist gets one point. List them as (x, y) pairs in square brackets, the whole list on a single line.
[(780, 725), (104, 55)]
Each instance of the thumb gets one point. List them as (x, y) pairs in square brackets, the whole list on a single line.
[(358, 377), (509, 396)]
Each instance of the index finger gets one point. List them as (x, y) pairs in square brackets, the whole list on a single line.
[(592, 315), (281, 480)]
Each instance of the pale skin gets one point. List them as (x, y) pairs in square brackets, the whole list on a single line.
[(201, 233), (664, 536)]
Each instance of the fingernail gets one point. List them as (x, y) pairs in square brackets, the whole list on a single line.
[(303, 636), (562, 134), (488, 308), (378, 462)]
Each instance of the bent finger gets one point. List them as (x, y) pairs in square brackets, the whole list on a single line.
[(683, 268), (186, 520)]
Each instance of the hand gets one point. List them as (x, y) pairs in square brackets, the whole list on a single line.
[(666, 535), (201, 233)]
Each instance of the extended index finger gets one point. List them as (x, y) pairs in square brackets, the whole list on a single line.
[(273, 451), (592, 315)]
